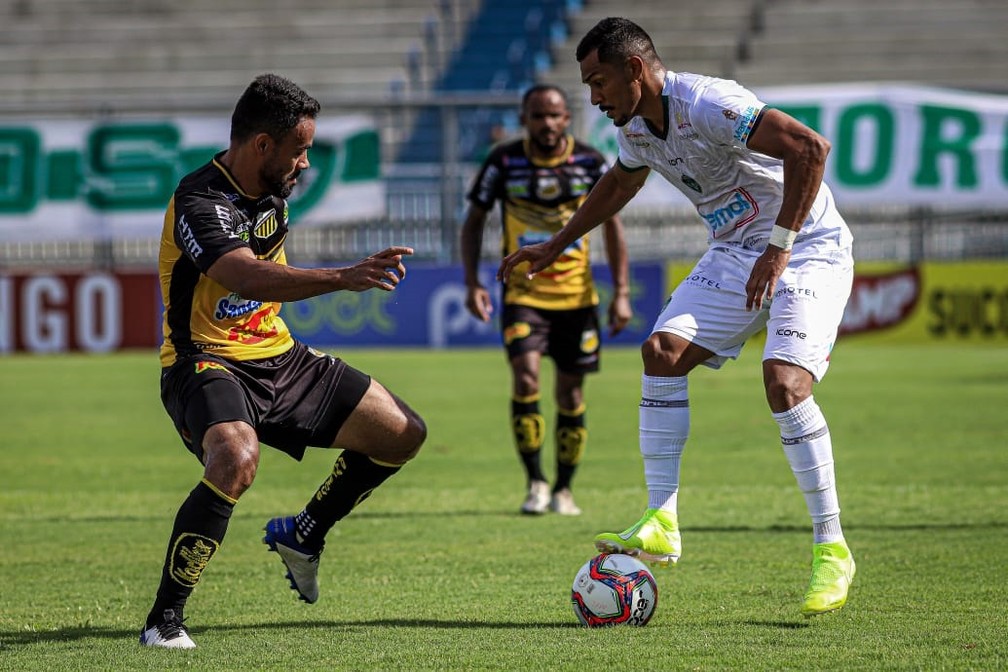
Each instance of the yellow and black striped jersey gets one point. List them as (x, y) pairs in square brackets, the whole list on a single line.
[(537, 197), (208, 216)]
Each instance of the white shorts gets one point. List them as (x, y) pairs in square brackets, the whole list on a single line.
[(708, 308)]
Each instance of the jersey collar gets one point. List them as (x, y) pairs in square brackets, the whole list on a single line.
[(227, 173)]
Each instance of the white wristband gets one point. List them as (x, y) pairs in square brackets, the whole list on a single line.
[(782, 238)]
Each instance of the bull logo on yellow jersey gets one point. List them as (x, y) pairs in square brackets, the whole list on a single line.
[(516, 331), (266, 224), (589, 341)]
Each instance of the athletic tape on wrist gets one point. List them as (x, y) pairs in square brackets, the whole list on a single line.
[(782, 238)]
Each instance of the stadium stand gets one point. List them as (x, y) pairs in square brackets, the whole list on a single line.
[(126, 54), (954, 43), (506, 47), (694, 36), (958, 44)]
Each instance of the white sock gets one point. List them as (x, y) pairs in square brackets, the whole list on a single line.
[(806, 441), (664, 426)]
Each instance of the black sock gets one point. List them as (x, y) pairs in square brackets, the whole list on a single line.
[(571, 438), (529, 429), (353, 478), (199, 529)]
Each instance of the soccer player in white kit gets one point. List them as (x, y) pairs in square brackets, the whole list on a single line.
[(779, 258)]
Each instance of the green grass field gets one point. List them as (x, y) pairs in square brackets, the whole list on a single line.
[(438, 571)]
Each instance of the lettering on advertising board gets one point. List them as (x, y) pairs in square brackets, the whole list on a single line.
[(65, 179), (891, 144)]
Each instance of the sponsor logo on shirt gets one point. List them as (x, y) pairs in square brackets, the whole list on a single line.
[(744, 124), (637, 139), (233, 306), (189, 239), (736, 210)]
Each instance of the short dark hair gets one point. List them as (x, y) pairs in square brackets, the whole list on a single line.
[(271, 104), (617, 39), (542, 88)]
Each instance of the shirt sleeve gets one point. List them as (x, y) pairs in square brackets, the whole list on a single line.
[(205, 228), (627, 157), (726, 113), (488, 183)]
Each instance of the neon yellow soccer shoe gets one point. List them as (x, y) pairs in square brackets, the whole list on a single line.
[(832, 572), (654, 539)]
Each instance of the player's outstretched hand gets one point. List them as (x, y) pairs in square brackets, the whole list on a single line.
[(538, 256), (383, 270)]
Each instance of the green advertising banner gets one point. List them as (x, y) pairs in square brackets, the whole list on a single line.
[(892, 144), (78, 180)]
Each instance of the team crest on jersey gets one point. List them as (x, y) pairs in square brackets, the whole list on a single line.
[(548, 188), (266, 224), (691, 183)]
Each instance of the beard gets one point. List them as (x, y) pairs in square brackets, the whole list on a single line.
[(280, 184), (543, 145)]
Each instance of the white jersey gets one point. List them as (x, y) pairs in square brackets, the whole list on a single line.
[(738, 192)]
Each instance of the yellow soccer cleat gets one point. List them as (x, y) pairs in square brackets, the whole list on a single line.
[(654, 539), (832, 573)]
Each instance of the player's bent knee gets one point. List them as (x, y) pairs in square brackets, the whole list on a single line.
[(414, 436), (231, 457), (787, 385), (659, 355)]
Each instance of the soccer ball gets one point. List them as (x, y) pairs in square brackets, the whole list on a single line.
[(613, 589)]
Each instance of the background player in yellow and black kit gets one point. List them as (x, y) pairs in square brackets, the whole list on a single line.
[(540, 180), (232, 375)]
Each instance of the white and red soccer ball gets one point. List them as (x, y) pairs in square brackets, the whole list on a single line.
[(614, 589)]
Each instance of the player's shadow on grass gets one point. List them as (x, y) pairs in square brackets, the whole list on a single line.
[(10, 638), (804, 529), (779, 625)]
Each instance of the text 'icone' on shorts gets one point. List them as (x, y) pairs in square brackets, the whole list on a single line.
[(297, 399), (802, 317)]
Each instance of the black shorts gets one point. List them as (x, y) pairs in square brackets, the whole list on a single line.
[(569, 337), (298, 399)]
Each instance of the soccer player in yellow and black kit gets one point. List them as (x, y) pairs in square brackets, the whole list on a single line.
[(540, 180), (232, 375)]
